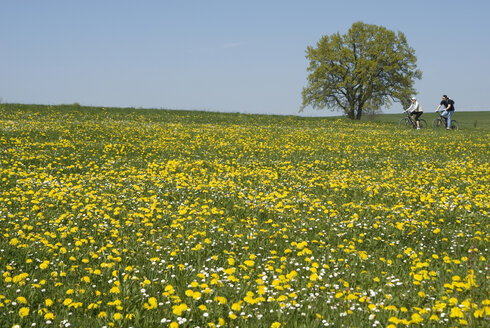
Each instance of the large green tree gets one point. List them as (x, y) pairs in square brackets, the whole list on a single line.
[(364, 69)]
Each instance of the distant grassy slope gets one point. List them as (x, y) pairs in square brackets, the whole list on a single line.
[(466, 120), (165, 115)]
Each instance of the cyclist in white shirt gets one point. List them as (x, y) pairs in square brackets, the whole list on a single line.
[(415, 111)]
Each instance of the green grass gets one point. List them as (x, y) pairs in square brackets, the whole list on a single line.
[(141, 218), (466, 120)]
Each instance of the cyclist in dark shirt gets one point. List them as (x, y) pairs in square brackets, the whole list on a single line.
[(448, 111)]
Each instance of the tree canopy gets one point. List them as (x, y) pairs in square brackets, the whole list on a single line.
[(364, 69)]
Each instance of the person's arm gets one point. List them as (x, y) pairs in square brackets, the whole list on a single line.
[(449, 105), (438, 107)]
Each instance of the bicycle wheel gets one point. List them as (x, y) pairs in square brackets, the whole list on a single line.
[(438, 123), (422, 124), (454, 125), (405, 123)]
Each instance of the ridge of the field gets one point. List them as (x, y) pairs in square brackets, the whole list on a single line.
[(465, 119)]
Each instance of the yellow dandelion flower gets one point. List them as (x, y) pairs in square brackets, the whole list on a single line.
[(220, 299), (249, 263), (236, 306), (478, 313), (178, 309), (14, 242), (416, 318), (152, 303), (434, 317), (229, 271), (23, 312), (418, 277), (49, 316), (114, 290), (456, 312), (169, 289), (394, 320)]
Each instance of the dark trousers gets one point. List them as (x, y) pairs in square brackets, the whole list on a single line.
[(416, 115)]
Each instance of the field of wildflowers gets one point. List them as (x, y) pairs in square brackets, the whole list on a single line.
[(147, 218)]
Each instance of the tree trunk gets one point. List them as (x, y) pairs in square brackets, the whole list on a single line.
[(351, 113), (359, 114)]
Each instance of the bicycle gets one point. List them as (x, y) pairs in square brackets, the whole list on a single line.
[(441, 123), (407, 122)]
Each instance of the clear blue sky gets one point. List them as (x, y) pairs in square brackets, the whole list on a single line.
[(230, 56)]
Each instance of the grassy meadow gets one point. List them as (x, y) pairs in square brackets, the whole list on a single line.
[(466, 120), (152, 218)]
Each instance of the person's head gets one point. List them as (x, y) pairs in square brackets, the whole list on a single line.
[(444, 97), (414, 99)]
